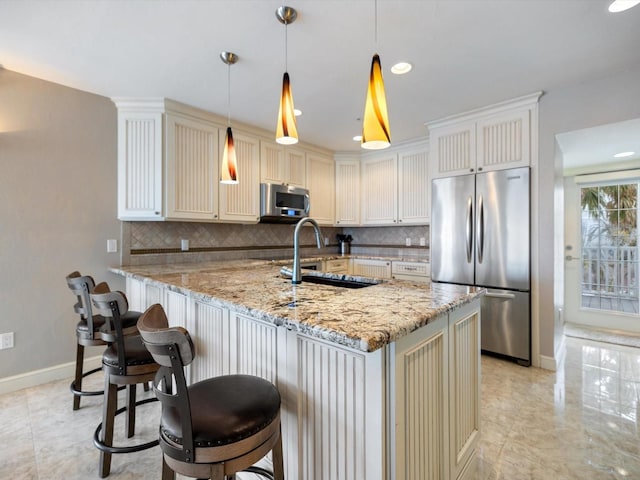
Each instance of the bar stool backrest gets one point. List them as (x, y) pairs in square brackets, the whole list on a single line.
[(81, 286)]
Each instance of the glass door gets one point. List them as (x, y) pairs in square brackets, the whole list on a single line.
[(602, 261)]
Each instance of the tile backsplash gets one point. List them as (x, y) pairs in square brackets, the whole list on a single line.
[(146, 243)]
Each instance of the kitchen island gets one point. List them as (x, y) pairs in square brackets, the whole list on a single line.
[(380, 382)]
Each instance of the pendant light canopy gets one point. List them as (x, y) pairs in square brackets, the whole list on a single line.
[(376, 133), (286, 129), (229, 167)]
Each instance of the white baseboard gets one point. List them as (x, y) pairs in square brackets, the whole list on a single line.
[(46, 375), (548, 363)]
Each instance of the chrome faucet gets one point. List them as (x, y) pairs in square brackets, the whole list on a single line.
[(297, 275)]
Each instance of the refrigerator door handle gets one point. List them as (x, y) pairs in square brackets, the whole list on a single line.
[(500, 295), (469, 230), (480, 229)]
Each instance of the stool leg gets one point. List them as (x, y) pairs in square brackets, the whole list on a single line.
[(108, 419), (131, 410), (167, 473), (278, 462), (78, 381)]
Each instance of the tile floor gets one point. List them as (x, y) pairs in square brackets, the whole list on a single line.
[(580, 422)]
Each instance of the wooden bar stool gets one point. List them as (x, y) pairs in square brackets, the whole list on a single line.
[(87, 333), (125, 362), (213, 428)]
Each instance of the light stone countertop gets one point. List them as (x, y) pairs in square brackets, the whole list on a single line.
[(365, 319)]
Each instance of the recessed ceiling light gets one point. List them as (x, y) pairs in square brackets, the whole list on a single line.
[(357, 138), (622, 5), (401, 68), (297, 112), (624, 154)]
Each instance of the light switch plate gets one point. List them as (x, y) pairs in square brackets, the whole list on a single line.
[(112, 245)]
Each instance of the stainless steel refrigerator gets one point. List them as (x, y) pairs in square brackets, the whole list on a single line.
[(480, 236)]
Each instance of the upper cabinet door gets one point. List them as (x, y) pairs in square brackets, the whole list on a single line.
[(504, 141), (320, 182), (140, 165), (282, 165), (413, 187), (453, 150), (241, 202), (347, 192), (192, 169), (379, 189)]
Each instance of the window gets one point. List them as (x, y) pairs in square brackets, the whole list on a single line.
[(610, 247)]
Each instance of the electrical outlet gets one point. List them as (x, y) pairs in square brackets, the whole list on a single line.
[(7, 340), (326, 241), (408, 242), (184, 245), (423, 242)]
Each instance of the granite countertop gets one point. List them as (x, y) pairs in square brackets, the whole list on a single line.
[(365, 319)]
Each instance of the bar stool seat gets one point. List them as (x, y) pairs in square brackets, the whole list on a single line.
[(216, 427), (90, 332), (87, 333), (125, 362)]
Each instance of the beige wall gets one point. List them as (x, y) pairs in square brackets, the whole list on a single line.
[(57, 210)]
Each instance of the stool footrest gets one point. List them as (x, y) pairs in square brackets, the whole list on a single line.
[(260, 471), (130, 448), (86, 393)]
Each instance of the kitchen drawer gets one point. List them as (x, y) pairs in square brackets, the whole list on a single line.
[(337, 266), (414, 269)]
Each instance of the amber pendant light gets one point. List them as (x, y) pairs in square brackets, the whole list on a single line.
[(229, 167), (375, 123), (286, 129)]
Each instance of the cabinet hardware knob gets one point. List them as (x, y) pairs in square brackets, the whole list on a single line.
[(479, 169), (471, 169)]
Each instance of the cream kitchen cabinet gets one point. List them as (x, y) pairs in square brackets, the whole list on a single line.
[(347, 191), (371, 268), (240, 203), (395, 187), (191, 162), (496, 137), (140, 159), (415, 271), (168, 165), (379, 189), (283, 165), (338, 266), (320, 182)]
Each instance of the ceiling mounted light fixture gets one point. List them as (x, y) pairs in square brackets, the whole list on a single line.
[(622, 5), (624, 154), (286, 129), (375, 123), (229, 167), (401, 68)]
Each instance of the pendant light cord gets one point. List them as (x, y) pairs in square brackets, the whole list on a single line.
[(286, 59), (375, 17), (229, 95)]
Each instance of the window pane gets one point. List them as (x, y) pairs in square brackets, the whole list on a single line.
[(610, 247)]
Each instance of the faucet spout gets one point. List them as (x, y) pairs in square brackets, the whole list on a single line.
[(297, 274)]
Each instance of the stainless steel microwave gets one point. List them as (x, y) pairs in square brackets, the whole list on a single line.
[(283, 203)]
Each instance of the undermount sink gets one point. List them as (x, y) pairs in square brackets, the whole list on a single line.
[(336, 282)]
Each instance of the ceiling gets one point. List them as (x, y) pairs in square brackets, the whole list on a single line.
[(466, 54)]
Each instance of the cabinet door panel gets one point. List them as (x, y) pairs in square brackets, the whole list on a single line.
[(347, 192), (379, 190), (320, 181), (192, 169), (241, 202), (139, 165), (504, 141), (453, 150), (413, 187)]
